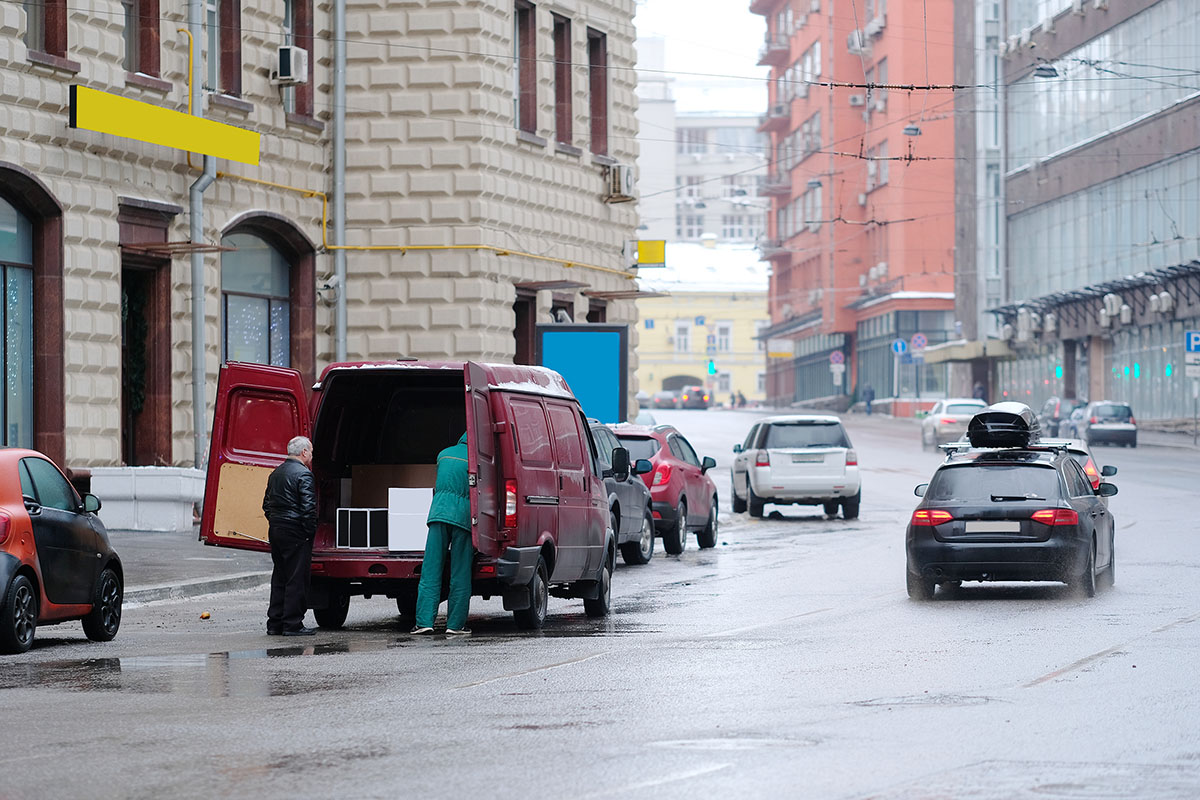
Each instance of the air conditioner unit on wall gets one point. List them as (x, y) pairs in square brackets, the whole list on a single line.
[(857, 100), (620, 184), (291, 66)]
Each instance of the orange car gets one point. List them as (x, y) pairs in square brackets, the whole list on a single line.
[(56, 563)]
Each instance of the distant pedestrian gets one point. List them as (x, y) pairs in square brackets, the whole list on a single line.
[(449, 524), (980, 392), (290, 506), (868, 395), (741, 400)]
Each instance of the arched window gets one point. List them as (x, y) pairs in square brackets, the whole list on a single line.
[(16, 326), (256, 288)]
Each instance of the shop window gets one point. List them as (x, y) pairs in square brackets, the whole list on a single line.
[(16, 276)]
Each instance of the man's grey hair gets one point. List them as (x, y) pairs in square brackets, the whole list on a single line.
[(298, 445)]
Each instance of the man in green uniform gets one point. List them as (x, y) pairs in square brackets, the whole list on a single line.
[(449, 524)]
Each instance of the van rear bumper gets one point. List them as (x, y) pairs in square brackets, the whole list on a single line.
[(515, 567)]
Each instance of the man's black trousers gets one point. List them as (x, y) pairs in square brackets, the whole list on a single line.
[(291, 553)]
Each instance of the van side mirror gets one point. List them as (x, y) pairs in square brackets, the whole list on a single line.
[(1108, 470), (1107, 489), (620, 463), (921, 489), (737, 448), (642, 466), (708, 463), (91, 503)]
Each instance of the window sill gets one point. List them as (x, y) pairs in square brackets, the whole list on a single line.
[(304, 121), (143, 81), (568, 149), (530, 138), (230, 103), (54, 62), (603, 160)]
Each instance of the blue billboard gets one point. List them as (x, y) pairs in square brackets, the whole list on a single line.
[(594, 358)]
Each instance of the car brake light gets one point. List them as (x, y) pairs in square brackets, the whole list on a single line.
[(948, 420), (763, 459), (706, 398), (5, 521), (662, 474), (1090, 469), (1131, 421), (685, 397), (1093, 421), (851, 458), (510, 503), (925, 517), (1056, 516)]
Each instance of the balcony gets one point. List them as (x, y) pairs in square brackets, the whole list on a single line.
[(775, 51), (772, 248), (778, 184), (779, 118), (763, 7)]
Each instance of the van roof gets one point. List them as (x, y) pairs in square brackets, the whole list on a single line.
[(504, 377)]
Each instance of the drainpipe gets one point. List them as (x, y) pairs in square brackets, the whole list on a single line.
[(339, 174), (196, 233)]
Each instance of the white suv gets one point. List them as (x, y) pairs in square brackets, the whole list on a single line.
[(800, 459)]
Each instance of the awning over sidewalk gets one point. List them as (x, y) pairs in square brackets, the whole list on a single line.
[(964, 350)]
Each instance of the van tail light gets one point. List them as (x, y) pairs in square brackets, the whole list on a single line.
[(5, 524), (1131, 420), (1093, 420), (1056, 516), (928, 517), (763, 459), (510, 503), (1093, 476), (851, 458), (662, 474)]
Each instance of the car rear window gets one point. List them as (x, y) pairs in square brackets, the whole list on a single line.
[(964, 408), (1114, 412), (805, 434), (639, 446), (978, 483)]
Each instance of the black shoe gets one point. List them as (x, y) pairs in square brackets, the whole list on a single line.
[(274, 631), (300, 632)]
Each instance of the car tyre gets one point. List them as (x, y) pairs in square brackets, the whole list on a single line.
[(675, 540), (532, 618), (919, 588), (18, 619), (1085, 584), (739, 503), (707, 538), (831, 508), (603, 602), (756, 503), (333, 617), (1109, 577), (850, 505), (642, 550), (103, 621)]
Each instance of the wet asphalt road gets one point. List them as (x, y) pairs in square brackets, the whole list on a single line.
[(786, 662)]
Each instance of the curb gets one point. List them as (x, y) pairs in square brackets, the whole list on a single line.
[(180, 591)]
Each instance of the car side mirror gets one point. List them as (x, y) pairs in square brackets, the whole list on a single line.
[(737, 448), (920, 489), (708, 463), (1107, 489), (1108, 470), (620, 463), (642, 466), (31, 505), (91, 503)]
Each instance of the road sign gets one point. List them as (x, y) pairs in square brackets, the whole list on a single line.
[(1191, 346), (907, 358), (837, 369), (699, 322), (779, 348), (899, 347), (919, 341), (837, 357), (1191, 371)]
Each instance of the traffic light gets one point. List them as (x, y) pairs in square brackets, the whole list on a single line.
[(712, 367)]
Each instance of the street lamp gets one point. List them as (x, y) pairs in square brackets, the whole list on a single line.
[(814, 183), (911, 130), (1045, 71)]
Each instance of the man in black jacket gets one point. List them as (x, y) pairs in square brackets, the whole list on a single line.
[(290, 505)]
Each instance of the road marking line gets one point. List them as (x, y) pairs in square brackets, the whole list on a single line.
[(678, 776), (579, 660), (763, 624)]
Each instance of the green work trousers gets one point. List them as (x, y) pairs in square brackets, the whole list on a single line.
[(443, 537)]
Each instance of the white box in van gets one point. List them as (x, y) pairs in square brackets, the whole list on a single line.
[(407, 512)]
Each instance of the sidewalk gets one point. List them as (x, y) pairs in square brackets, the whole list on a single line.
[(169, 566)]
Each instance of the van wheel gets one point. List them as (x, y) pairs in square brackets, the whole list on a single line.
[(102, 622), (675, 540), (831, 509), (530, 619), (756, 502), (641, 550), (708, 537), (18, 619), (334, 616), (918, 588), (603, 603), (406, 602), (739, 504), (850, 505)]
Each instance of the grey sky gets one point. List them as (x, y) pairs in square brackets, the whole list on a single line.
[(713, 37)]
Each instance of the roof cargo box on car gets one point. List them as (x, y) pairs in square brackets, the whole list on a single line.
[(1004, 425)]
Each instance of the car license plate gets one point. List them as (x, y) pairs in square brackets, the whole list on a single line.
[(993, 526), (807, 458)]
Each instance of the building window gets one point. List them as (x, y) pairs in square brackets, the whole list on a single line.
[(759, 326), (17, 325), (224, 21), (141, 36), (562, 79), (598, 89), (762, 382), (732, 226), (525, 58), (256, 287), (691, 140), (46, 26), (683, 336), (724, 337), (724, 382)]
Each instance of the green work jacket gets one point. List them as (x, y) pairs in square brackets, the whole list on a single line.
[(451, 497)]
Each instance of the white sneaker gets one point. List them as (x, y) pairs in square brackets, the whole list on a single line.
[(458, 631), (421, 631)]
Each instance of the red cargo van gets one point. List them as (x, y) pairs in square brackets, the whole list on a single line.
[(539, 509)]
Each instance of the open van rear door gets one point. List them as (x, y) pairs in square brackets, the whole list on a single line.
[(481, 459), (258, 409)]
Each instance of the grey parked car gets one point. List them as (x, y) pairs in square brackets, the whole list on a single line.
[(1105, 422), (628, 496)]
